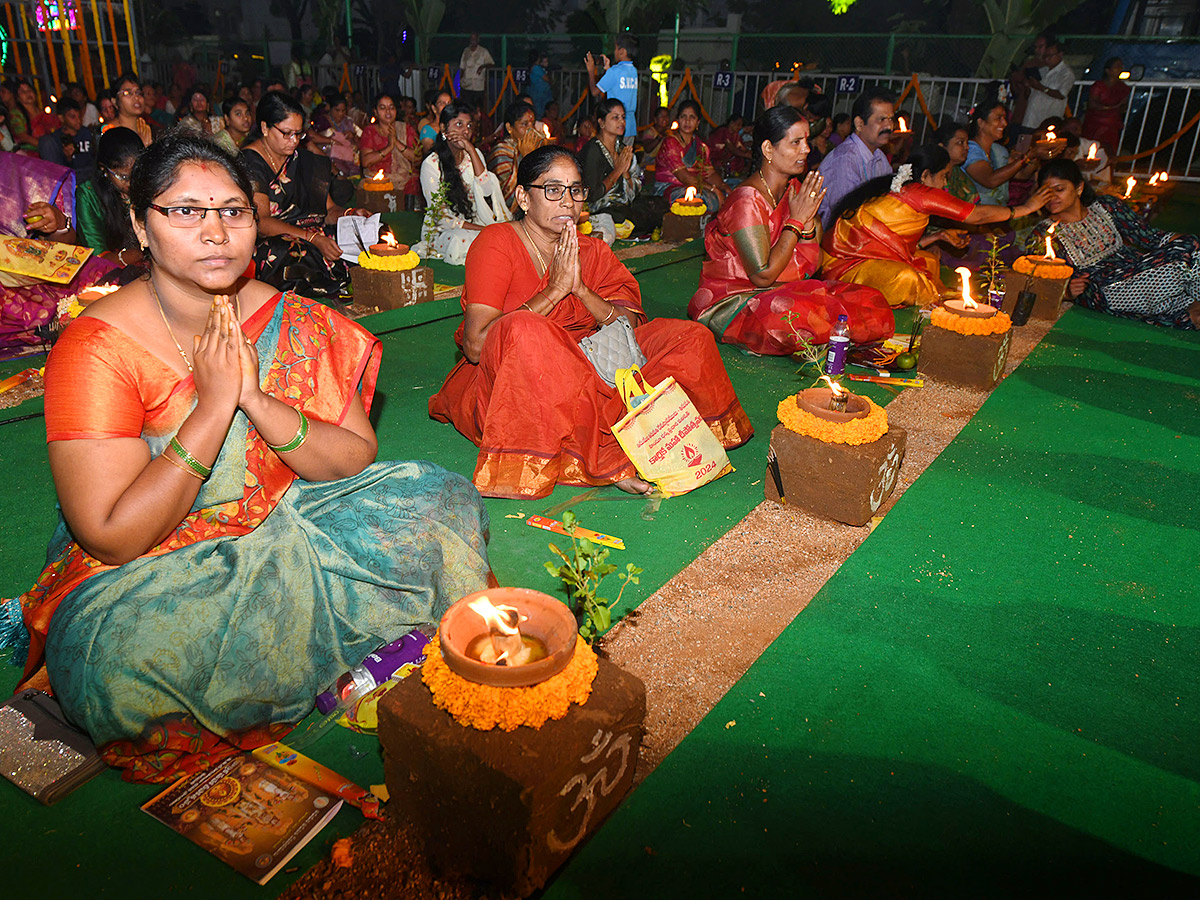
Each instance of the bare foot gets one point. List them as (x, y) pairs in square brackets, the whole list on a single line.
[(634, 485), (1194, 314)]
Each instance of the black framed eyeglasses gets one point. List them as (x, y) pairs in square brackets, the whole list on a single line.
[(579, 192), (192, 216)]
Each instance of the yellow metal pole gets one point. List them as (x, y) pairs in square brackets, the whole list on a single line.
[(129, 32), (100, 41), (65, 34), (12, 36), (29, 47)]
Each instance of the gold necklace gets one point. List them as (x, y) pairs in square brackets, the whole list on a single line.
[(529, 237), (767, 188), (171, 331)]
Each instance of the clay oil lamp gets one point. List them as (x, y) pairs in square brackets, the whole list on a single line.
[(507, 637), (966, 306), (1051, 141), (833, 403), (388, 245)]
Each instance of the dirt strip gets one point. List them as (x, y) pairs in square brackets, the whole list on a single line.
[(697, 635)]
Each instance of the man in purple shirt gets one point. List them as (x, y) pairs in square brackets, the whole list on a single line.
[(860, 157)]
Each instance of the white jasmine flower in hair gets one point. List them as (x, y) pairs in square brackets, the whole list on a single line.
[(903, 176)]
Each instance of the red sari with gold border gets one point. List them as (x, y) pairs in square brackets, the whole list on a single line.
[(534, 404), (766, 320), (877, 245)]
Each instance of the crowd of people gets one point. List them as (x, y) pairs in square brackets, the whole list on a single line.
[(208, 421)]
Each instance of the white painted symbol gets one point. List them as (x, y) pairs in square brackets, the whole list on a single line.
[(587, 786), (1002, 355), (391, 199), (889, 469)]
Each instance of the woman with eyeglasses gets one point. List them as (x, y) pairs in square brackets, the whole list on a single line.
[(295, 210), (461, 196), (228, 545), (102, 204), (524, 392), (130, 106)]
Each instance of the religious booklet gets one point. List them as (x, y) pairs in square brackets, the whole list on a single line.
[(246, 813), (41, 260)]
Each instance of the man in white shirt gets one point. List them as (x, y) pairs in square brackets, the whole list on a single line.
[(474, 80), (1048, 94)]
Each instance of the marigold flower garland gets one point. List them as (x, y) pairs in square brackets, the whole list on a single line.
[(688, 209), (484, 707), (401, 263), (943, 318), (1039, 268), (865, 430)]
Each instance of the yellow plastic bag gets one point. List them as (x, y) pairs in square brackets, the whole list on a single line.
[(665, 437)]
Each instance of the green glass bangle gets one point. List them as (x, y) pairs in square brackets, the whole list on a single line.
[(188, 460), (298, 440)]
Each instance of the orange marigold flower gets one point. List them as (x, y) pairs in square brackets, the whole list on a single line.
[(866, 430), (1037, 266), (943, 318), (485, 707)]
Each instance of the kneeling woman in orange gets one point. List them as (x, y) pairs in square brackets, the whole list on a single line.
[(763, 246), (880, 233), (525, 393)]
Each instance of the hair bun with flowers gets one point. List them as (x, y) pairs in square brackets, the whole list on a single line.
[(903, 176)]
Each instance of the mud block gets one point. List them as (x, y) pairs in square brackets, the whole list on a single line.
[(844, 482), (1050, 293), (680, 228), (509, 808), (392, 290), (379, 201), (970, 360)]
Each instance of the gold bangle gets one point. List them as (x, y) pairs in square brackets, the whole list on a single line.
[(180, 466), (612, 315)]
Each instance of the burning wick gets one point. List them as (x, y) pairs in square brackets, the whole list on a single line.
[(546, 130), (505, 647), (965, 274), (1092, 152), (1153, 180), (689, 195), (1050, 257), (903, 125), (378, 176), (1130, 184), (837, 396), (674, 125), (1163, 178)]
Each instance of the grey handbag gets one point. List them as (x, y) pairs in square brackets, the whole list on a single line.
[(613, 347)]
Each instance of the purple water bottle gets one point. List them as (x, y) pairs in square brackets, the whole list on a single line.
[(839, 344), (377, 668)]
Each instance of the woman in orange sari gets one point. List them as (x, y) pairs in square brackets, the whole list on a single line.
[(763, 246), (879, 234), (524, 392), (228, 545)]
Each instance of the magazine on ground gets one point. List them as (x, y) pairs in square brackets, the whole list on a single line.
[(246, 813)]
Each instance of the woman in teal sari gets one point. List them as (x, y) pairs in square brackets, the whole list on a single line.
[(228, 546)]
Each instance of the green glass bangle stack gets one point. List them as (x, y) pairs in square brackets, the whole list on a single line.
[(298, 440), (188, 460)]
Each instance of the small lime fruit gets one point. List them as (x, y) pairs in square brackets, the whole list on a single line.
[(906, 360)]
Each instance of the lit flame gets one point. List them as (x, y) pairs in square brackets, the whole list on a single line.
[(1130, 184), (53, 99), (1050, 133), (1153, 180), (689, 194), (1164, 177), (1124, 75), (674, 125), (1092, 152), (546, 129), (1049, 249), (47, 110), (837, 389), (965, 274), (499, 619), (378, 176), (390, 239), (903, 124)]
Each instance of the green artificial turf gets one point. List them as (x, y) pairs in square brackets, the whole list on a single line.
[(995, 696), (111, 845)]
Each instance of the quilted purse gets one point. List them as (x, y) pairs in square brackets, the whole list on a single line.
[(613, 347)]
